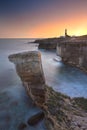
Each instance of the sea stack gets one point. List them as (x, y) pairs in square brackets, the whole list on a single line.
[(29, 68)]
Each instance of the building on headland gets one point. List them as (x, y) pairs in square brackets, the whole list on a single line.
[(66, 35), (65, 32)]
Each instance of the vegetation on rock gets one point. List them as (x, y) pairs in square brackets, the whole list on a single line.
[(65, 113)]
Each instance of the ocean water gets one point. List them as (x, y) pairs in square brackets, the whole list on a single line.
[(15, 105), (64, 78)]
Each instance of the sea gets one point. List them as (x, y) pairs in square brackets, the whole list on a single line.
[(15, 106)]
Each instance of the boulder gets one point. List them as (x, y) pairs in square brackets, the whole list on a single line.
[(36, 118)]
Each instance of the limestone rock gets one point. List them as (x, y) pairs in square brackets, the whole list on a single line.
[(73, 52), (29, 69), (50, 43)]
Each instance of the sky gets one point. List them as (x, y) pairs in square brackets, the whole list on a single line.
[(42, 18)]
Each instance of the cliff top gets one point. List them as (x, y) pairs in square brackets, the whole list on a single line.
[(65, 113), (63, 40)]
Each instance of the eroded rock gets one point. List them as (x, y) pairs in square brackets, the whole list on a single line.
[(29, 68), (74, 52)]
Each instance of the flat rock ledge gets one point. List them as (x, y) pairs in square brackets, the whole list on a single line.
[(29, 69)]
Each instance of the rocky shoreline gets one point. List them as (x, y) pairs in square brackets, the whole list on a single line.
[(59, 111), (49, 43)]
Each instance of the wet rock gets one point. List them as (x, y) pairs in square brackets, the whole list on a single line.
[(36, 118), (22, 126)]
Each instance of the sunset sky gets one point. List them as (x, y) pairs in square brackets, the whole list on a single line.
[(42, 18)]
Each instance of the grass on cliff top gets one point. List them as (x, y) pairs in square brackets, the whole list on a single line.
[(57, 94), (81, 102), (56, 105), (60, 105), (57, 99)]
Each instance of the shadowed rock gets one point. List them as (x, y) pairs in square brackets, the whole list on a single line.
[(29, 68), (36, 118)]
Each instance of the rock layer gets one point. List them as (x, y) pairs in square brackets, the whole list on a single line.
[(73, 52), (29, 69), (49, 43)]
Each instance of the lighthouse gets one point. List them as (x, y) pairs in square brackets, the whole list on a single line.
[(66, 33)]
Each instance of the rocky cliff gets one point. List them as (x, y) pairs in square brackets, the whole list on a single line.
[(64, 113), (74, 52), (49, 43), (60, 111), (29, 69)]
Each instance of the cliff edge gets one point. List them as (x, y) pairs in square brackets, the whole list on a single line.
[(61, 112), (74, 52)]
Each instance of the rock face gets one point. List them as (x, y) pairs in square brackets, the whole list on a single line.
[(74, 52), (46, 43), (29, 69), (49, 43)]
